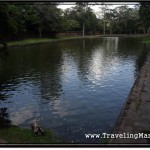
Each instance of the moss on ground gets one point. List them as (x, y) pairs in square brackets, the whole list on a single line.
[(18, 135)]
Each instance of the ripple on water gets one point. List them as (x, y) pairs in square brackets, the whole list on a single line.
[(73, 87)]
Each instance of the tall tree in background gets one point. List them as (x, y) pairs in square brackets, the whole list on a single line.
[(71, 25), (124, 15), (47, 18), (103, 10), (84, 16), (111, 17), (81, 8)]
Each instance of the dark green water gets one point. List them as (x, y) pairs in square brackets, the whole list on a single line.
[(74, 87)]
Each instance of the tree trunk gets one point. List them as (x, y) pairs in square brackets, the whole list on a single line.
[(110, 29), (125, 27), (83, 30), (104, 26)]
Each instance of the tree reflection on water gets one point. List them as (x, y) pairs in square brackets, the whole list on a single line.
[(4, 53)]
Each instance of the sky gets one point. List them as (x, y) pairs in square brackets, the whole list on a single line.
[(96, 8)]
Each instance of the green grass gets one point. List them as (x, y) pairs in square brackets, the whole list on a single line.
[(23, 135), (146, 41), (29, 41), (104, 141), (44, 40), (38, 40)]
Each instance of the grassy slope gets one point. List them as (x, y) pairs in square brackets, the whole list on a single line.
[(31, 41), (44, 40), (27, 41), (22, 135)]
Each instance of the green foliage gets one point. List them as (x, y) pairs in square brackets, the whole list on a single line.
[(122, 20), (23, 19), (144, 13), (18, 135), (44, 18), (29, 41), (47, 17), (146, 41), (71, 25), (84, 15), (7, 26)]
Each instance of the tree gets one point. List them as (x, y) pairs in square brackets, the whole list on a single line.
[(100, 25), (18, 15), (123, 16), (47, 18), (91, 21), (133, 22), (111, 18), (72, 25), (81, 10), (144, 13), (7, 26), (125, 19), (84, 15), (103, 12)]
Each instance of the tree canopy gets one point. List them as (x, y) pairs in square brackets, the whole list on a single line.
[(144, 13), (46, 19)]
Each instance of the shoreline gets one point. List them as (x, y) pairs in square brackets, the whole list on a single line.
[(36, 41), (42, 41), (134, 116), (17, 135)]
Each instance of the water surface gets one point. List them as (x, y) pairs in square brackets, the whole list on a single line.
[(74, 87)]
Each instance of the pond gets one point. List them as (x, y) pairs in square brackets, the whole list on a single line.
[(73, 87)]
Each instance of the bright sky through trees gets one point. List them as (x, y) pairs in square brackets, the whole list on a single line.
[(96, 6)]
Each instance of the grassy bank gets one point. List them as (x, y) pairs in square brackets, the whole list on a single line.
[(32, 41), (28, 41), (18, 135), (146, 41)]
